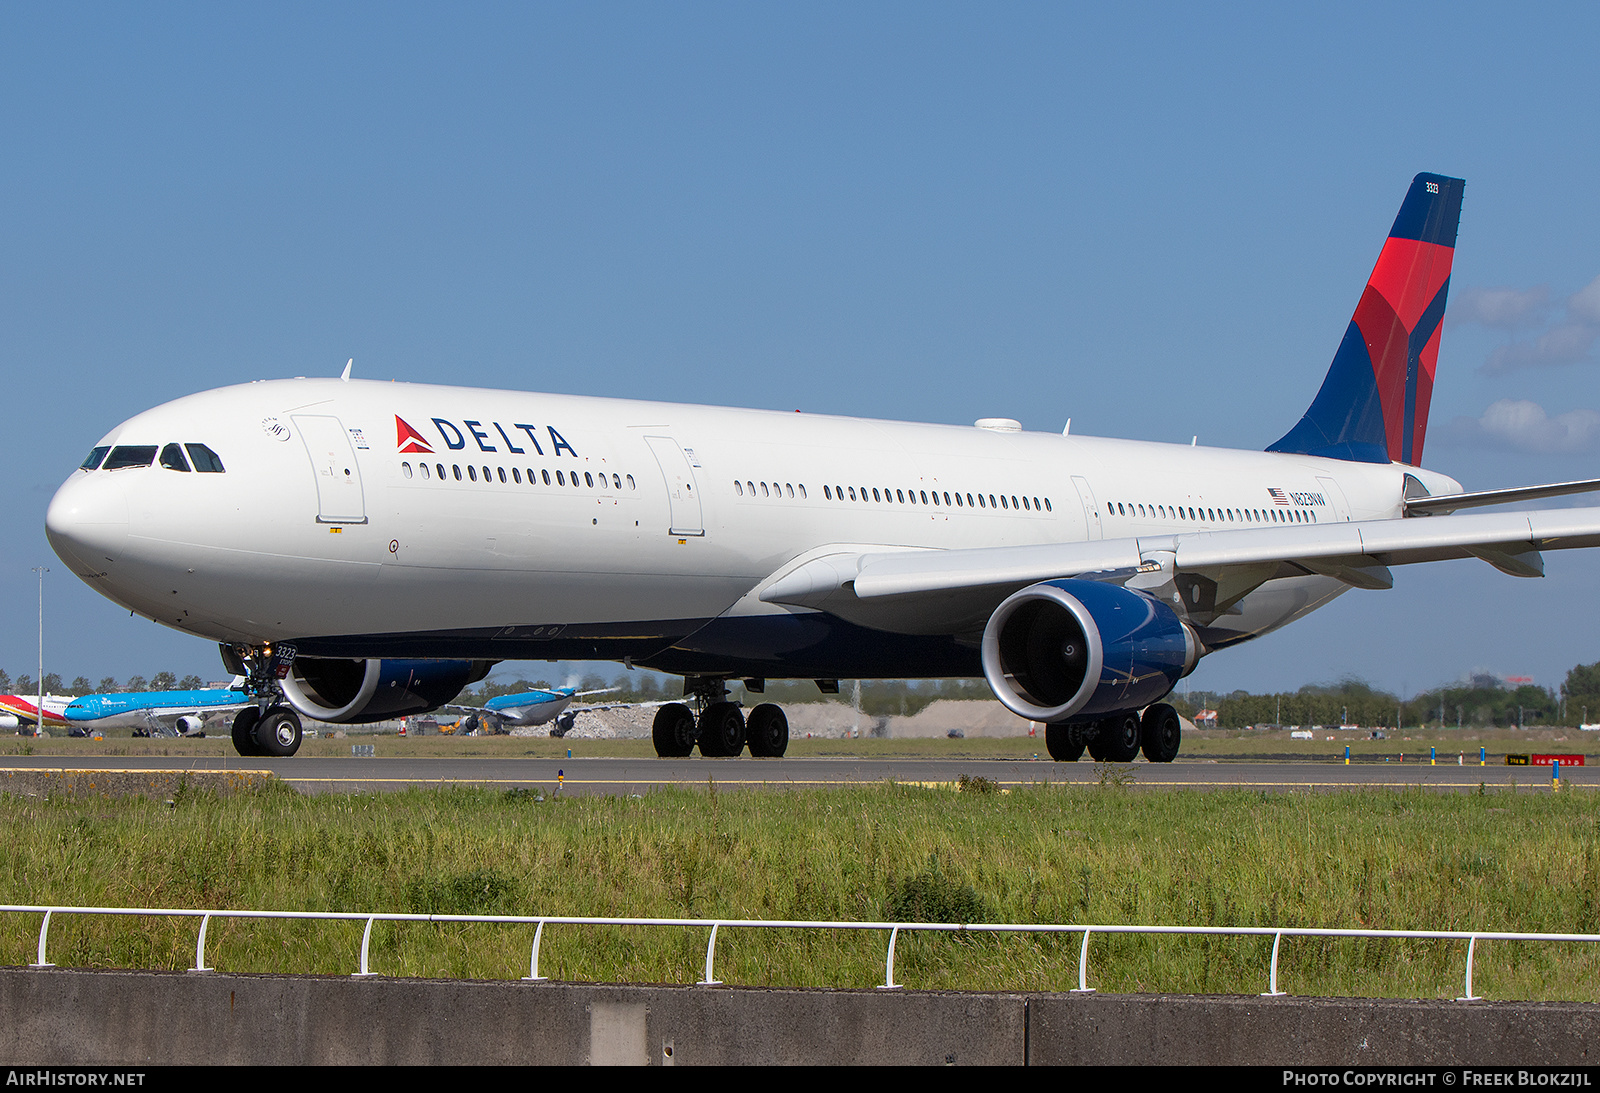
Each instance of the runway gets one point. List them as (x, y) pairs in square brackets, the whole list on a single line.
[(642, 775)]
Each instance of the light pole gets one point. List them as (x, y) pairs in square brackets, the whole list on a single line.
[(38, 725)]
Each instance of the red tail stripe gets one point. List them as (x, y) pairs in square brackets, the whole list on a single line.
[(1409, 275)]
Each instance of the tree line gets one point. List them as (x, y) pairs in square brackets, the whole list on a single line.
[(53, 684), (1480, 701)]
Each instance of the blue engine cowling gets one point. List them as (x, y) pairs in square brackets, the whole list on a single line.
[(1075, 650), (357, 691)]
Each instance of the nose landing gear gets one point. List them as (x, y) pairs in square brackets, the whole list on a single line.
[(270, 728), (275, 735)]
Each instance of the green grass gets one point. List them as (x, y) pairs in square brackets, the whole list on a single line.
[(1498, 860)]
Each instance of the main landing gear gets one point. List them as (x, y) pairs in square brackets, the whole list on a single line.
[(1119, 738), (269, 729), (722, 730)]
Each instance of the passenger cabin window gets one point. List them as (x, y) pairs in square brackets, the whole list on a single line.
[(130, 455), (204, 459), (172, 459), (94, 459)]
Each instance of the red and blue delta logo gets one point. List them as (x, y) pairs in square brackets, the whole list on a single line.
[(455, 437), (407, 439)]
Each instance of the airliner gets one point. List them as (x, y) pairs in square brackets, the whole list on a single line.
[(19, 710), (537, 707), (363, 550), (178, 713)]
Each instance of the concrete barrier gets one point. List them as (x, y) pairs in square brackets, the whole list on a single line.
[(127, 1018)]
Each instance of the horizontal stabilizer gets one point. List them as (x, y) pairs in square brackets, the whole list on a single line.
[(1427, 506)]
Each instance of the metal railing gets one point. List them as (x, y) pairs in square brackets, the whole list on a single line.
[(894, 930)]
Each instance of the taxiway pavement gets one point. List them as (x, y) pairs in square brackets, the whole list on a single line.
[(641, 775)]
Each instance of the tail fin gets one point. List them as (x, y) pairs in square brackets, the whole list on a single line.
[(1373, 405)]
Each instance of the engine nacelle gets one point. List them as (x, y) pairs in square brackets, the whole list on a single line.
[(1075, 650), (357, 691)]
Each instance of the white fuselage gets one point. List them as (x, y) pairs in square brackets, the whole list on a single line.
[(363, 518)]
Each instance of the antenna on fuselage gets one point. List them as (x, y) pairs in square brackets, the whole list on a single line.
[(1068, 430), (345, 375)]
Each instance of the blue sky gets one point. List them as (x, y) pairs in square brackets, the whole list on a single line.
[(1154, 221)]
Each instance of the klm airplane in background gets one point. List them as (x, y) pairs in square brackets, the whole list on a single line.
[(364, 550), (528, 709), (162, 713)]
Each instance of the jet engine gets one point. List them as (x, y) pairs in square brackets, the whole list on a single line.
[(1076, 650), (357, 691)]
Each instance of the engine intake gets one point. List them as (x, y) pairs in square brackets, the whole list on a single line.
[(357, 691), (1075, 650)]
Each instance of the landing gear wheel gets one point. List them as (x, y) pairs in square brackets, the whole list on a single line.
[(673, 731), (1098, 734), (278, 732), (767, 730), (1064, 742), (1160, 733), (1119, 738), (721, 730), (244, 733)]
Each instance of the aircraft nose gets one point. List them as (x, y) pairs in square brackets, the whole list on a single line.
[(87, 523)]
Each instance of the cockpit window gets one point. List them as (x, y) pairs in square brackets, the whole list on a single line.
[(130, 455), (94, 459), (172, 459), (205, 460)]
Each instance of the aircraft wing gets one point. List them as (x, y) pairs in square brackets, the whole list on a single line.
[(595, 707), (929, 591)]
